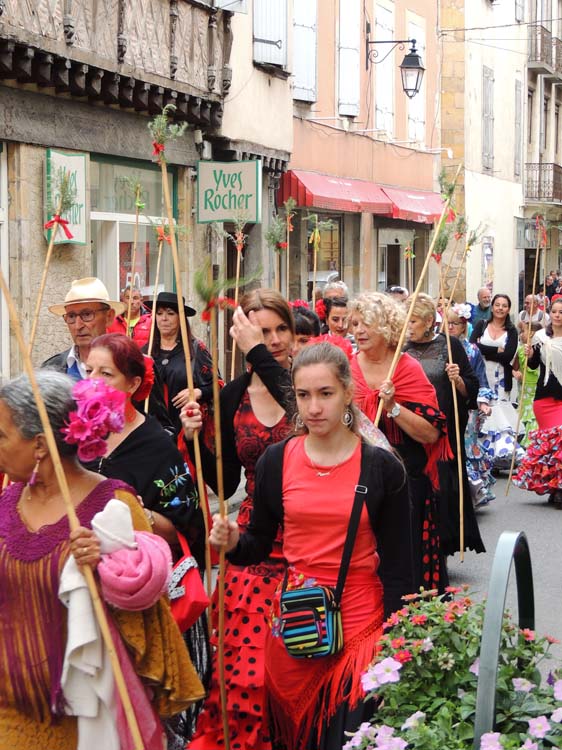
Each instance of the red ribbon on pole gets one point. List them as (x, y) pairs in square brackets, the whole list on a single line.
[(162, 236), (63, 223)]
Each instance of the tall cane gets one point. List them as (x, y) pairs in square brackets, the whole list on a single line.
[(525, 367), (187, 354), (73, 521), (457, 434), (398, 352), (223, 513), (236, 292), (55, 222), (153, 316), (133, 258)]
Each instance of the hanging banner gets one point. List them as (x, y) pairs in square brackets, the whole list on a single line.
[(229, 190), (74, 164)]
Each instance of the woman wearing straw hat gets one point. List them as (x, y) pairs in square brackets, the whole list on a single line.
[(48, 699), (168, 354)]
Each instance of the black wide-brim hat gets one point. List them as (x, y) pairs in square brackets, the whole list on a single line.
[(170, 299)]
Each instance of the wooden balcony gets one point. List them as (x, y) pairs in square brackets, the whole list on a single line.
[(540, 47), (137, 54), (543, 183)]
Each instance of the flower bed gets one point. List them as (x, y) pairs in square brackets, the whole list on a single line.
[(425, 679)]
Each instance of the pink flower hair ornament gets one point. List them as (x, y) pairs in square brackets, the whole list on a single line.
[(100, 409)]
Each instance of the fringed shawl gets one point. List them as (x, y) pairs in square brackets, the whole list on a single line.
[(413, 391)]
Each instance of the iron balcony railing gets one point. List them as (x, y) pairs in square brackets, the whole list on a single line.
[(544, 183), (540, 45)]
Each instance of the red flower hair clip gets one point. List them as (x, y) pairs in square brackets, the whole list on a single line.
[(299, 303), (143, 391), (340, 341), (320, 309)]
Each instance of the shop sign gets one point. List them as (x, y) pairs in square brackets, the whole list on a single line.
[(227, 191), (75, 165)]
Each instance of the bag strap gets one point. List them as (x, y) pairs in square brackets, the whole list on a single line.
[(360, 494), (184, 545)]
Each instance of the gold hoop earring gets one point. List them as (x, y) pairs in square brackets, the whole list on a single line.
[(347, 417)]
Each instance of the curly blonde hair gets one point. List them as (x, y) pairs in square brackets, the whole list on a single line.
[(382, 312), (424, 307)]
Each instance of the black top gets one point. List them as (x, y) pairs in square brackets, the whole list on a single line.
[(171, 369), (387, 504), (433, 357), (492, 354), (552, 388), (277, 380), (149, 461)]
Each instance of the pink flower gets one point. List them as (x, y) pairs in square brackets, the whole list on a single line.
[(539, 727), (557, 715), (558, 690), (453, 589), (521, 685), (528, 634), (529, 745), (414, 720), (403, 656), (77, 430), (92, 449), (387, 670), (475, 667), (551, 639), (398, 642), (490, 741), (419, 619), (449, 617)]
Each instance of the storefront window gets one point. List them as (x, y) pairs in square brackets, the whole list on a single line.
[(113, 225), (328, 258)]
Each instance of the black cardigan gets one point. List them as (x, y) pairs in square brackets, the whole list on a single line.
[(387, 503), (277, 380), (491, 352)]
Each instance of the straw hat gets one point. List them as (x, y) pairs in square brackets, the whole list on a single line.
[(89, 289)]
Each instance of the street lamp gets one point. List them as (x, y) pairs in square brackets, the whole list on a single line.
[(411, 70)]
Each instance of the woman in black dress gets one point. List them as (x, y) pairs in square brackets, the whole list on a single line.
[(145, 456), (430, 349), (168, 354)]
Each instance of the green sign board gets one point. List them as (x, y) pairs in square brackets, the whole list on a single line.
[(229, 190)]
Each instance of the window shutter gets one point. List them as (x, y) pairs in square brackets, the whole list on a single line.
[(384, 72), (349, 57), (416, 106), (304, 45), (270, 32), (518, 130), (487, 118), (234, 6)]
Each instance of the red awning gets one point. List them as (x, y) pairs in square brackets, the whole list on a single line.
[(333, 193), (415, 205)]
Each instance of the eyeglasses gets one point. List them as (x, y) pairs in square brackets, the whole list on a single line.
[(450, 323), (86, 316)]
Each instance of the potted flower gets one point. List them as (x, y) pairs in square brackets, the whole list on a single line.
[(424, 681)]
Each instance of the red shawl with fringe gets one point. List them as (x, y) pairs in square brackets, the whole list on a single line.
[(413, 391)]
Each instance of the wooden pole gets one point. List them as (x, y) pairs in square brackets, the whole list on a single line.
[(288, 266), (398, 352), (223, 513), (153, 316), (236, 292), (525, 366), (314, 269), (41, 292), (133, 259), (188, 366), (457, 434), (73, 521)]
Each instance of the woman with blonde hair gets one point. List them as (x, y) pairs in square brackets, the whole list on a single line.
[(411, 419), (256, 410), (430, 350)]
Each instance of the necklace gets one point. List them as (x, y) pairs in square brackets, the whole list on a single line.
[(326, 472)]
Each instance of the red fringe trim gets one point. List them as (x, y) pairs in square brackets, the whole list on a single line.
[(326, 684)]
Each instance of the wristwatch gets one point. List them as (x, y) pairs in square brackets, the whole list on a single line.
[(394, 412)]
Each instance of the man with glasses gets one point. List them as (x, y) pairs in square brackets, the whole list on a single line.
[(88, 312)]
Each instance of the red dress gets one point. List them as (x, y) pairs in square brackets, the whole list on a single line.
[(248, 598)]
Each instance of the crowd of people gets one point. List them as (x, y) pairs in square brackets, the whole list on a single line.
[(354, 457)]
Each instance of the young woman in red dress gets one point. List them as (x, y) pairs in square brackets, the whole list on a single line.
[(254, 415), (307, 485)]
